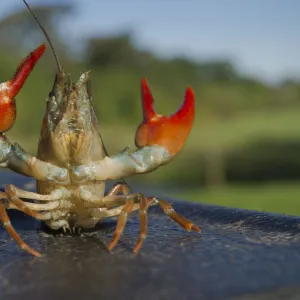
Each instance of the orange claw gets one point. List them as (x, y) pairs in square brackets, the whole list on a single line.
[(169, 132), (9, 89)]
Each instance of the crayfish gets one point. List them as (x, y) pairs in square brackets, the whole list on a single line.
[(72, 165)]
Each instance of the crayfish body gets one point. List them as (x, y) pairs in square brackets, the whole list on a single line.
[(72, 165)]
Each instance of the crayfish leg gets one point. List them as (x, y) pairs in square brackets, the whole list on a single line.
[(130, 205), (117, 188), (143, 223), (141, 202), (122, 219), (4, 219), (182, 221), (13, 198)]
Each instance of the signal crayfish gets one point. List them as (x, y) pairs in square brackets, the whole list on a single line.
[(72, 165)]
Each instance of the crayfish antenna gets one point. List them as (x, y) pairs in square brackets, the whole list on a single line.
[(169, 132), (47, 37)]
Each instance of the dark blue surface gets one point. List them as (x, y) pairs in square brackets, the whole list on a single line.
[(239, 254)]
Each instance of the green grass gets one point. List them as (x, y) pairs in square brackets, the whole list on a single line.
[(274, 197), (279, 124), (225, 134)]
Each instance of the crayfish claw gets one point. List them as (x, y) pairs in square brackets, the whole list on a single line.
[(169, 132), (10, 89)]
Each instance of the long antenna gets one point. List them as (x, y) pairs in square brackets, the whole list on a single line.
[(46, 35)]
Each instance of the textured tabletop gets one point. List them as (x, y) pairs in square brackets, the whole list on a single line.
[(239, 255)]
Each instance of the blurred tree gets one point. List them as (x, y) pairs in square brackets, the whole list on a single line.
[(116, 51), (223, 96), (20, 31), (219, 71)]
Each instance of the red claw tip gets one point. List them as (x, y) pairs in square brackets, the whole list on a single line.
[(24, 70), (147, 101), (9, 89), (187, 111), (169, 132)]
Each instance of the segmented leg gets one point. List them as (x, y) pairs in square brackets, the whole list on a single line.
[(144, 203), (12, 197), (13, 194), (182, 221), (97, 201), (35, 206), (117, 188), (122, 211), (132, 202), (109, 201), (142, 206), (113, 212), (13, 201), (143, 223), (4, 219), (43, 216), (121, 223), (57, 194)]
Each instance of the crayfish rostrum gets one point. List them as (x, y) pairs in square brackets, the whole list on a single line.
[(72, 166)]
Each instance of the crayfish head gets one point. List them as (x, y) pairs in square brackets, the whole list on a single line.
[(70, 127)]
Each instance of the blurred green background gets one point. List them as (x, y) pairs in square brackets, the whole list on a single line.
[(244, 149)]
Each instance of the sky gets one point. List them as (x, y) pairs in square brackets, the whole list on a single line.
[(262, 37)]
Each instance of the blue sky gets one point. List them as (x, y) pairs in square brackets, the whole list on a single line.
[(261, 36)]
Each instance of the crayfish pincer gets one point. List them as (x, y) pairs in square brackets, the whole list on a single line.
[(72, 166)]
